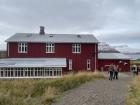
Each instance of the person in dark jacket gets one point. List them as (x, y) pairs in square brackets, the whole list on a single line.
[(137, 71), (111, 72)]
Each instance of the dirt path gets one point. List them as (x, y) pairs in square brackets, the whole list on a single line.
[(99, 92)]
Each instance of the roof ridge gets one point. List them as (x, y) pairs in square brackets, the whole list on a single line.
[(55, 33)]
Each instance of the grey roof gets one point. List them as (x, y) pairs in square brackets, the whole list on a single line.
[(113, 56), (33, 62), (56, 38)]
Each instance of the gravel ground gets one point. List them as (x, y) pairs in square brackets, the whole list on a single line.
[(98, 92)]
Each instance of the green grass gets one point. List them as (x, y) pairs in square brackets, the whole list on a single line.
[(133, 96), (41, 91)]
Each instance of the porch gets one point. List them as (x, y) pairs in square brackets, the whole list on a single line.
[(32, 68)]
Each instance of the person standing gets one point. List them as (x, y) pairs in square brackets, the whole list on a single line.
[(137, 71), (111, 72), (116, 72), (134, 70)]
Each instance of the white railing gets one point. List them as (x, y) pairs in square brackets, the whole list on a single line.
[(32, 77), (9, 73)]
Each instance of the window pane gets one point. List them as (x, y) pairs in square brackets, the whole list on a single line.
[(70, 64), (88, 64), (22, 47), (76, 48), (50, 48)]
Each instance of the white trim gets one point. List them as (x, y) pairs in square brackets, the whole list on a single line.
[(42, 72), (76, 48), (39, 77), (8, 49), (88, 64), (22, 47), (70, 64), (50, 48)]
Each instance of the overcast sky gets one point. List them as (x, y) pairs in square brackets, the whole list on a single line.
[(111, 21)]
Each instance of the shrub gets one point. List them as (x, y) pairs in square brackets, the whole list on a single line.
[(49, 95), (133, 96), (41, 91)]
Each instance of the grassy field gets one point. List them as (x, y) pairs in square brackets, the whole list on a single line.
[(41, 91), (133, 97)]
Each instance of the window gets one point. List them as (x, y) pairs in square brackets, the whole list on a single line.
[(76, 48), (88, 64), (70, 64), (22, 48), (50, 48)]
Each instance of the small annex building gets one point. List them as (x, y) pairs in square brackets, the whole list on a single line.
[(118, 59), (109, 55)]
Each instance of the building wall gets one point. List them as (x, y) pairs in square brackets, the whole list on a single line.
[(79, 61), (104, 64)]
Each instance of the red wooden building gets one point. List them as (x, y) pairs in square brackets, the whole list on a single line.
[(117, 59), (43, 55), (109, 55)]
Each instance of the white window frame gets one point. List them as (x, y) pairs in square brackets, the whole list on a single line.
[(50, 48), (76, 48), (88, 64), (8, 49), (22, 47), (70, 64)]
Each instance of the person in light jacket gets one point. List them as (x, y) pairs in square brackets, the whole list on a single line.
[(116, 72)]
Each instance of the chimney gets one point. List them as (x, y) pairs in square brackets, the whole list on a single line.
[(42, 32)]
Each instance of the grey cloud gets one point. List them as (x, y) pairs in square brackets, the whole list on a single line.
[(108, 19)]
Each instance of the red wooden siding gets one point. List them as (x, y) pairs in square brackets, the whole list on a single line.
[(104, 64), (79, 61)]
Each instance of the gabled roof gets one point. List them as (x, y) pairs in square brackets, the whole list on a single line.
[(55, 38), (33, 62), (113, 56)]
